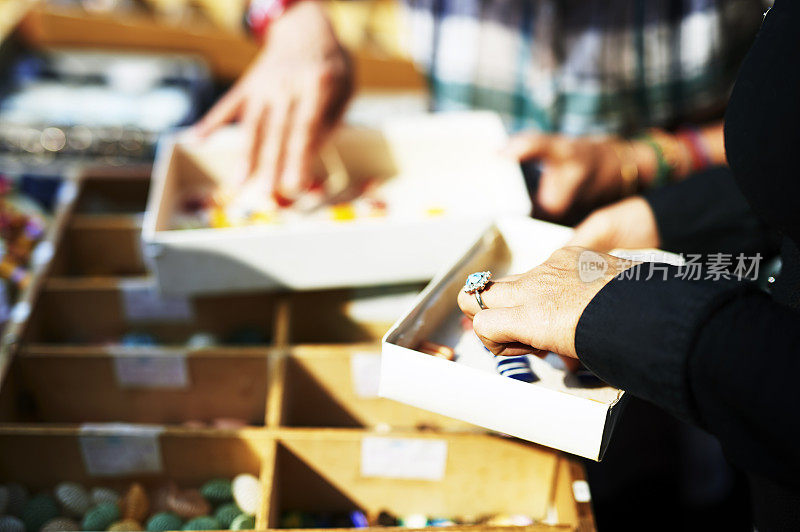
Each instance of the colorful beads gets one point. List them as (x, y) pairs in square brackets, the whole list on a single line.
[(9, 523), (100, 517), (126, 525), (61, 524), (243, 522), (163, 521), (73, 498), (188, 504), (247, 493), (226, 514), (39, 510), (101, 495), (217, 491), (135, 505), (202, 523)]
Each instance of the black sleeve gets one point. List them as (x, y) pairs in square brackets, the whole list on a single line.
[(707, 213), (719, 354)]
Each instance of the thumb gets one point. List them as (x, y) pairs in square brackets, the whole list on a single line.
[(527, 145)]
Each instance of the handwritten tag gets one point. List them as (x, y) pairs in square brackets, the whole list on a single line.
[(118, 449), (365, 369), (141, 301), (403, 458), (143, 367)]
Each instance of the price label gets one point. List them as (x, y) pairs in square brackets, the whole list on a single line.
[(142, 302), (403, 458), (118, 449), (365, 369), (143, 367)]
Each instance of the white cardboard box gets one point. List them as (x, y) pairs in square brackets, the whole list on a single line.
[(556, 411), (449, 160)]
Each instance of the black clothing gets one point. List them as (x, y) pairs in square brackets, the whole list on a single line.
[(722, 354)]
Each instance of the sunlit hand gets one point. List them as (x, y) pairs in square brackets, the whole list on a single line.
[(627, 224), (582, 171), (288, 101), (538, 311)]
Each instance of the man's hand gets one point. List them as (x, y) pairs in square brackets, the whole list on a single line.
[(538, 311), (289, 100), (627, 224)]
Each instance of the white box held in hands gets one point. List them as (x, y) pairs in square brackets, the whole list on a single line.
[(557, 410), (439, 181)]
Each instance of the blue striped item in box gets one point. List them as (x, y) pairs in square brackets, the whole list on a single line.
[(516, 368)]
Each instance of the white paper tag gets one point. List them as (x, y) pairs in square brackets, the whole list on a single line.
[(117, 449), (141, 301), (580, 489), (365, 369), (144, 367), (406, 458)]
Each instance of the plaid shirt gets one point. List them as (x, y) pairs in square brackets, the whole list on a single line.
[(581, 66)]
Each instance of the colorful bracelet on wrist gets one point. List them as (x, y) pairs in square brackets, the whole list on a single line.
[(663, 168), (696, 146)]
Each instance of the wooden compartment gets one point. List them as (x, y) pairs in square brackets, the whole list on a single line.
[(446, 476), (100, 310), (114, 192), (346, 316), (336, 386), (100, 244), (78, 384), (41, 458)]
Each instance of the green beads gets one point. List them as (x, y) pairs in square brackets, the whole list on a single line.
[(100, 517), (9, 523), (164, 521), (244, 522), (226, 513), (217, 491), (202, 523), (39, 510)]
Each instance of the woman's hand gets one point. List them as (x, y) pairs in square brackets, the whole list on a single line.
[(627, 224), (538, 311), (582, 171), (289, 100)]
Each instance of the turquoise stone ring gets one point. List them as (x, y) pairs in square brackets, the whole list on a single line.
[(476, 283)]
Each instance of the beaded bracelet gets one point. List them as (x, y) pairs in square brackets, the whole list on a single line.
[(663, 168)]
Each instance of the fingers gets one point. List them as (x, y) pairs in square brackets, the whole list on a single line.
[(498, 294), (503, 331), (557, 189), (223, 112), (254, 125), (304, 137), (273, 145), (528, 145)]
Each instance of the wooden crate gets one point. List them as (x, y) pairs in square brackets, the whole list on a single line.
[(327, 470)]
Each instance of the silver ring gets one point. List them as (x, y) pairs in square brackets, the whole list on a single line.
[(477, 283), (480, 300)]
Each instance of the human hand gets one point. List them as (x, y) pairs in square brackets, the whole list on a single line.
[(288, 101), (538, 311), (581, 171), (627, 224)]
